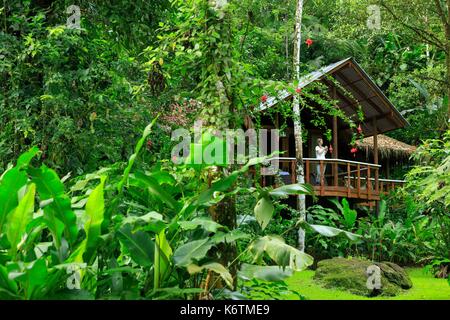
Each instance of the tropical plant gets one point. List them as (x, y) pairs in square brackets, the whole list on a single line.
[(430, 182)]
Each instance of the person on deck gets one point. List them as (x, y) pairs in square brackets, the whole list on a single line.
[(320, 154)]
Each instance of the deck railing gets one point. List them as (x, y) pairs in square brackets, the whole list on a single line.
[(338, 177), (387, 185)]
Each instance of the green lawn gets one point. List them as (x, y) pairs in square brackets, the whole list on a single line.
[(425, 287)]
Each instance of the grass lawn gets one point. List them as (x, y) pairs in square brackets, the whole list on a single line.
[(425, 287)]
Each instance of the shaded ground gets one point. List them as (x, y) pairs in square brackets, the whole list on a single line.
[(425, 287)]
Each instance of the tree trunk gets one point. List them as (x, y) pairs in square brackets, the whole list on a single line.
[(224, 213), (221, 119), (301, 206)]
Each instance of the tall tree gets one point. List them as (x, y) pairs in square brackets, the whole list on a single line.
[(301, 205), (200, 46)]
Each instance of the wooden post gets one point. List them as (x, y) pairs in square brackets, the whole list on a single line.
[(335, 144), (368, 184), (359, 180), (375, 159), (335, 149), (349, 181), (293, 173), (322, 179), (307, 172)]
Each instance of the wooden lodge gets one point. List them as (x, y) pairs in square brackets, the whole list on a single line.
[(362, 176)]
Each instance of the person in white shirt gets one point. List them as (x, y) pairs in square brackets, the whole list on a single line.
[(320, 154)]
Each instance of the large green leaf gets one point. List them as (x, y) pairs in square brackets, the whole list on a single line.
[(215, 267), (8, 288), (337, 204), (382, 212), (116, 277), (163, 254), (333, 232), (25, 158), (265, 273), (206, 223), (163, 177), (191, 252), (264, 211), (19, 219), (138, 244), (33, 277), (349, 214), (292, 189), (156, 190), (209, 151), (151, 221), (133, 157), (281, 253), (49, 186), (95, 208), (55, 226), (225, 183), (255, 161), (13, 180), (221, 185), (229, 237)]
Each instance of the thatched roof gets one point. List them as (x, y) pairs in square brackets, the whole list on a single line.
[(387, 147)]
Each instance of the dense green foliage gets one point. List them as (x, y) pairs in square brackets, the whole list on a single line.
[(81, 96), (143, 232), (413, 223), (86, 213), (66, 89)]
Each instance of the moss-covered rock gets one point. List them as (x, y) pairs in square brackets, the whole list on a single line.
[(395, 274), (351, 275)]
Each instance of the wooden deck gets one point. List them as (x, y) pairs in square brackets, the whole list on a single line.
[(338, 178)]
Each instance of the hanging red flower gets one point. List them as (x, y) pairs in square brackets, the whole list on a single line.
[(264, 98), (354, 151), (309, 42), (359, 129), (330, 149), (298, 90)]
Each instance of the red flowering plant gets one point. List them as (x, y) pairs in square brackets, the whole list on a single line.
[(359, 129), (181, 114)]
